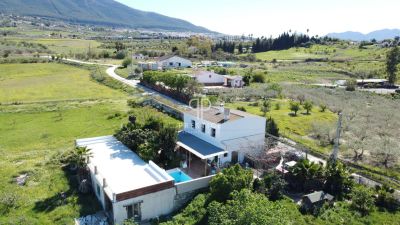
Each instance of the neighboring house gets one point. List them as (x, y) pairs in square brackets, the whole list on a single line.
[(139, 57), (173, 61), (215, 137), (145, 66), (208, 78), (233, 81), (315, 200), (127, 187)]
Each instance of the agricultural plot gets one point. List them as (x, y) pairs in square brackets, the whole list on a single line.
[(298, 128), (49, 82)]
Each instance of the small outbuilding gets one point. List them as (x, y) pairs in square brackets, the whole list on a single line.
[(315, 200)]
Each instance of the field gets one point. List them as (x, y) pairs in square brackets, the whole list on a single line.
[(49, 82), (333, 52), (297, 128), (69, 105)]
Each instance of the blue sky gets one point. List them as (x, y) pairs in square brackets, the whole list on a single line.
[(272, 17)]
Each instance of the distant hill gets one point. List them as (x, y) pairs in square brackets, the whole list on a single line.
[(97, 12), (357, 36)]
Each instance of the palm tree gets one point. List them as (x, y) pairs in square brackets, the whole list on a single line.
[(79, 158), (307, 174)]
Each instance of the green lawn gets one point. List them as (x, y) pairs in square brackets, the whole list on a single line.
[(45, 82), (297, 127)]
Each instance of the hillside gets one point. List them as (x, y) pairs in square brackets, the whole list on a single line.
[(357, 36), (97, 12)]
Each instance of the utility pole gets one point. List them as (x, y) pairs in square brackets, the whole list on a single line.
[(335, 152)]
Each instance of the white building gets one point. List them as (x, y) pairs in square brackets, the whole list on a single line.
[(219, 136), (127, 187), (208, 78), (139, 57), (145, 66), (173, 61), (233, 81)]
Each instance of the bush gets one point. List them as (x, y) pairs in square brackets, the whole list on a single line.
[(361, 200), (231, 179), (241, 108), (351, 85), (127, 61), (120, 55), (258, 78), (8, 201)]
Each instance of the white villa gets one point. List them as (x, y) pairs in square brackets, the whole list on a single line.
[(127, 187), (173, 61), (210, 78), (217, 136)]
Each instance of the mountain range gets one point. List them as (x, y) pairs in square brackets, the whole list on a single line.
[(379, 35), (97, 12)]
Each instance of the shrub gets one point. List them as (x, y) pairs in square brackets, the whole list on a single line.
[(127, 61), (231, 179), (258, 78), (351, 85), (361, 200), (241, 108), (8, 201), (120, 55)]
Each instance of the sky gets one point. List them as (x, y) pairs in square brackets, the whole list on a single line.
[(272, 17)]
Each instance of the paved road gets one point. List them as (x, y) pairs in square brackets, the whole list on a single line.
[(133, 83)]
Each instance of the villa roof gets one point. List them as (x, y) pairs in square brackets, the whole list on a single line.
[(123, 170), (214, 115), (197, 146)]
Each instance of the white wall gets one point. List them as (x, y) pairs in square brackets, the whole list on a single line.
[(206, 77), (175, 60), (153, 205), (97, 180), (239, 135), (193, 185)]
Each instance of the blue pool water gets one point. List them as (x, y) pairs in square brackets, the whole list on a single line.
[(180, 176)]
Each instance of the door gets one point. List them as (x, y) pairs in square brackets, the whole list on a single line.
[(235, 157)]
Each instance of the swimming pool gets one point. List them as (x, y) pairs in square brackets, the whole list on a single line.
[(179, 176)]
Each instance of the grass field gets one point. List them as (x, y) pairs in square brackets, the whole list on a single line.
[(296, 128), (63, 45), (336, 52), (34, 134), (48, 82)]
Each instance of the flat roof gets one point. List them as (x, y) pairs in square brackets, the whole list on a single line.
[(123, 169), (214, 115), (197, 146)]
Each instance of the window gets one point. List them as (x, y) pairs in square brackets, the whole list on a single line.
[(203, 128), (133, 211), (212, 132), (225, 155), (193, 124), (171, 63)]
